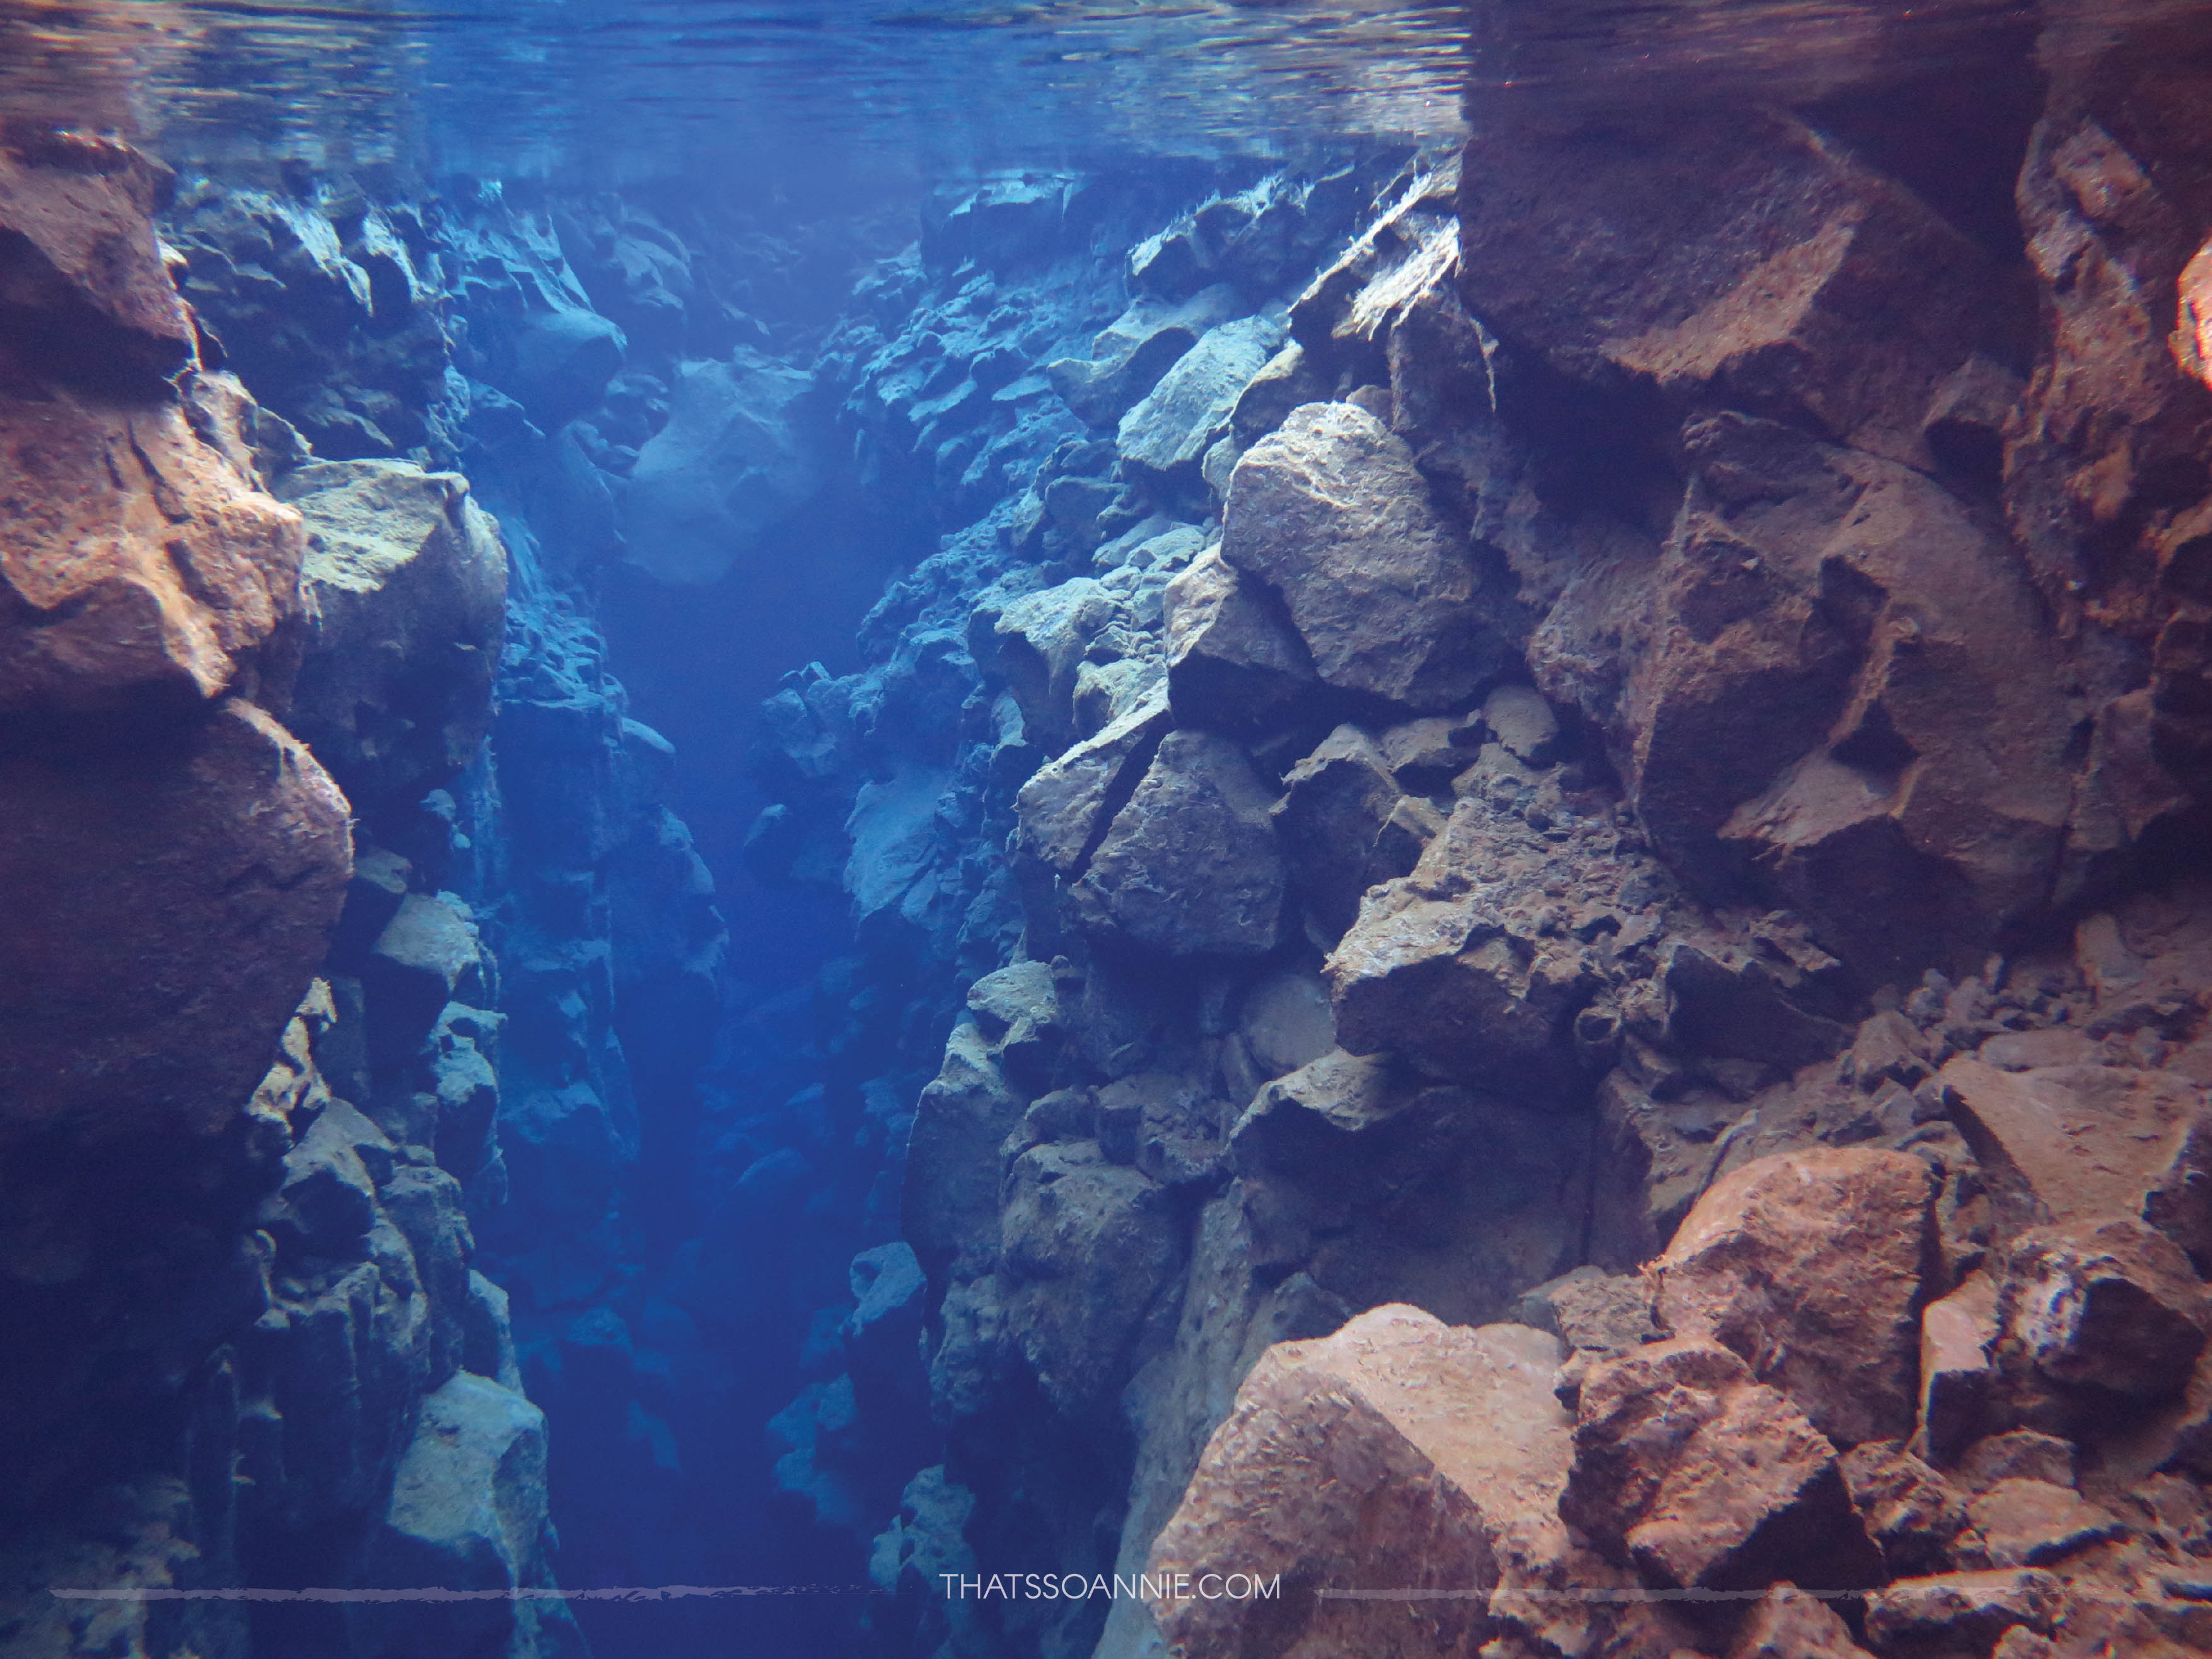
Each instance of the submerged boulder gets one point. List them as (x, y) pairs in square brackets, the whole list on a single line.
[(1427, 1457), (726, 470), (1813, 1266), (1705, 1479), (169, 908), (1234, 663), (467, 1513), (1329, 512), (1190, 865), (406, 584), (1169, 432), (137, 559)]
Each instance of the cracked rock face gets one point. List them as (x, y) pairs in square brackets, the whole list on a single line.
[(1429, 1457), (1191, 864), (406, 578), (1561, 794), (213, 868), (1329, 512)]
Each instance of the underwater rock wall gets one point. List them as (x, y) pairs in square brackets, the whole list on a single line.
[(455, 327), (1530, 797), (1623, 771), (249, 1045)]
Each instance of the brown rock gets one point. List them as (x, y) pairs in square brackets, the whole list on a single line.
[(1704, 1478), (1787, 1624), (169, 904), (2023, 1454), (1750, 1000), (2073, 1143), (1957, 1612), (1860, 721), (1329, 512), (1234, 662), (1399, 1454), (1390, 1188), (1440, 982), (2110, 1305), (2180, 1201), (1595, 1312), (1335, 806), (88, 298), (1191, 865), (135, 558), (1425, 755), (1911, 1512), (1957, 1373), (2032, 1524), (1724, 257), (1811, 1264), (1647, 1175), (1887, 1049), (1521, 719)]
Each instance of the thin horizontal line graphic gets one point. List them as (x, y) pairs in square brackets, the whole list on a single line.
[(433, 1593), (1608, 1594), (710, 1592)]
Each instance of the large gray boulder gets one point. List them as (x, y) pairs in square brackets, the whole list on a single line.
[(467, 1513), (1134, 350), (1330, 512), (1190, 865), (1041, 638), (1234, 662), (1086, 1246), (406, 579), (1066, 808), (726, 469), (1171, 430)]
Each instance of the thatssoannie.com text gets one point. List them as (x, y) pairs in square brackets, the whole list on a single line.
[(1149, 1586)]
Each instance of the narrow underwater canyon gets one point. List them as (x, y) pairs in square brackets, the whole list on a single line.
[(1471, 877)]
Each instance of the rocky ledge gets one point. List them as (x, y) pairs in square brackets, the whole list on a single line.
[(1609, 1034), (246, 1044)]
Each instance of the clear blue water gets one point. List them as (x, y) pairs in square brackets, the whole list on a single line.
[(809, 135), (623, 88), (626, 86)]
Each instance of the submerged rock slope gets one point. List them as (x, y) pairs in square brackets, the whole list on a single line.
[(248, 1045), (1619, 760), (1528, 919)]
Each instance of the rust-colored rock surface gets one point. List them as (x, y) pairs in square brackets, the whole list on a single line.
[(2111, 1305), (1787, 1624), (1401, 1455), (1703, 1478), (2073, 1143), (1813, 1266), (135, 560), (87, 296), (171, 900), (1722, 257)]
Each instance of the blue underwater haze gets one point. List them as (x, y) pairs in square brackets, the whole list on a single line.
[(1025, 699)]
